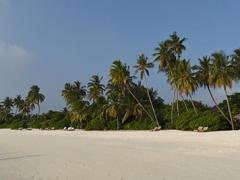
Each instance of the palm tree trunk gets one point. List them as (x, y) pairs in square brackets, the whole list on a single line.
[(157, 123), (173, 100), (194, 108), (117, 123), (38, 108), (177, 104), (216, 105), (184, 103), (150, 99), (229, 109)]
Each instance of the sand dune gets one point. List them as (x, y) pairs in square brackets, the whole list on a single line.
[(124, 155)]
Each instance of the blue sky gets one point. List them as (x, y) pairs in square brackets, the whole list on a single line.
[(51, 42)]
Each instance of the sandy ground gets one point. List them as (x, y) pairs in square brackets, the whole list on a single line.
[(124, 155)]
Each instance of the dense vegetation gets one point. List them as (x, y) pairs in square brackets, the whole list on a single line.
[(123, 103)]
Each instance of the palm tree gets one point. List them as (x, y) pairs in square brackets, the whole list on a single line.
[(18, 101), (113, 111), (167, 55), (6, 108), (222, 76), (95, 87), (73, 92), (143, 67), (164, 56), (176, 44), (166, 60), (74, 95), (236, 63), (185, 80), (35, 97), (7, 104), (120, 77), (25, 108), (203, 76)]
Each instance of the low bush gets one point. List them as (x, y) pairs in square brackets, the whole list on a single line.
[(95, 124), (190, 121), (138, 125)]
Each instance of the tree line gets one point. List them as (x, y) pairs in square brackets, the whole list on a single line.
[(123, 101)]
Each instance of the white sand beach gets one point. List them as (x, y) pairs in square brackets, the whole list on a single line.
[(123, 155)]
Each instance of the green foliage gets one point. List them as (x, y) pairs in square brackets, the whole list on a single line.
[(190, 121), (112, 125), (139, 125), (234, 101), (96, 124)]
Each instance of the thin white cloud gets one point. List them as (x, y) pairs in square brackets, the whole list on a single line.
[(13, 57)]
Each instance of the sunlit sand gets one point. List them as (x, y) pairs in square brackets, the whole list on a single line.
[(126, 155)]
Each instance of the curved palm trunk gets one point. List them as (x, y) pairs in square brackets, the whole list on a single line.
[(174, 96), (177, 104), (150, 99), (157, 123), (184, 102), (229, 109), (216, 105), (193, 104)]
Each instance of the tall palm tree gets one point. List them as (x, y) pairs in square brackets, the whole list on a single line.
[(164, 57), (95, 88), (142, 67), (167, 55), (185, 81), (35, 97), (166, 60), (120, 77), (176, 44), (203, 73), (222, 76)]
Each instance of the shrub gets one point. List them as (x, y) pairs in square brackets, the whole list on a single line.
[(190, 121), (138, 125), (112, 125), (95, 124)]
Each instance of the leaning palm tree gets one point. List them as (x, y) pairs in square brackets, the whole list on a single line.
[(142, 67), (95, 88), (222, 76), (185, 81), (120, 77), (35, 97), (203, 73)]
